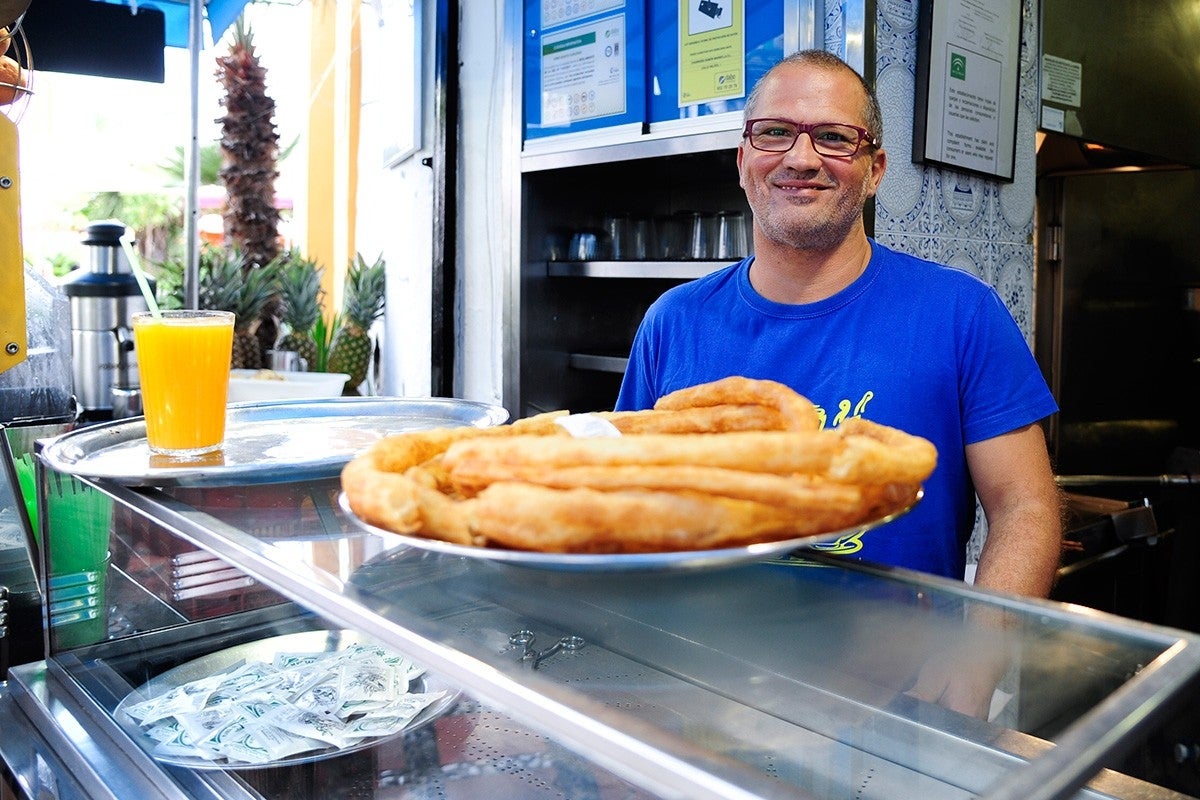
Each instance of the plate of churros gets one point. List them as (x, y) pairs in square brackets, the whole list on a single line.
[(731, 471), (663, 560)]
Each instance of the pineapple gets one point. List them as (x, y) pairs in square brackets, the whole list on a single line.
[(300, 293), (227, 285), (350, 350), (221, 282), (257, 291)]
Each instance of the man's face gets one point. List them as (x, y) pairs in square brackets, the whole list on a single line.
[(800, 198)]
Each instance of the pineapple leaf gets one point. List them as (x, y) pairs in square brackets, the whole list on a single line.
[(365, 286), (323, 332)]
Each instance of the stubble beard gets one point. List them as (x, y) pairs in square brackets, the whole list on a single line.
[(794, 225)]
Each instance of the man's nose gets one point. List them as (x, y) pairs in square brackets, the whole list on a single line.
[(803, 152)]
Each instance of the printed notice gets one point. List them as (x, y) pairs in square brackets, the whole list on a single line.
[(583, 72), (971, 110), (1053, 119), (712, 51), (1062, 81), (970, 119), (559, 12)]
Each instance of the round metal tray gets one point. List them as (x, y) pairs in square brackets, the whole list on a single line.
[(628, 562), (265, 442), (265, 650)]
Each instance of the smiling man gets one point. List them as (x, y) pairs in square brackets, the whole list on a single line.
[(863, 330)]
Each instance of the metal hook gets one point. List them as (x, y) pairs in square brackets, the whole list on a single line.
[(524, 639)]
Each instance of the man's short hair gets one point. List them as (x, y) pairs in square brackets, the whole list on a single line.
[(822, 59)]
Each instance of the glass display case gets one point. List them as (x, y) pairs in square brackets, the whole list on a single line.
[(744, 679)]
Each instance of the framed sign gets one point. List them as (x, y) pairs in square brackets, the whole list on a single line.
[(968, 69), (584, 66)]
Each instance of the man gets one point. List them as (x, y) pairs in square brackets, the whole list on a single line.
[(863, 330)]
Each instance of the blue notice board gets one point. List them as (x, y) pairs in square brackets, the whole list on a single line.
[(584, 65), (693, 32)]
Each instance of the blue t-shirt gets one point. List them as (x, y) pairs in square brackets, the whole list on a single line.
[(912, 344)]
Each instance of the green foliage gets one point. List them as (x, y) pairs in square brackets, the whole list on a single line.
[(60, 264), (168, 277), (210, 164), (365, 285), (138, 211), (323, 338)]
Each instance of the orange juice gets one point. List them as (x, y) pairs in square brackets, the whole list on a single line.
[(183, 359)]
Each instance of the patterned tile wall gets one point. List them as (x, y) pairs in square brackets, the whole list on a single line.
[(979, 225), (976, 224)]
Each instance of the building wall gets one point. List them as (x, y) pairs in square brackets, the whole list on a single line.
[(979, 225)]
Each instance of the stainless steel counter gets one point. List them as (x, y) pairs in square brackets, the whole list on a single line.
[(766, 680)]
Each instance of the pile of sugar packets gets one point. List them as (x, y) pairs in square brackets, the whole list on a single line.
[(259, 713)]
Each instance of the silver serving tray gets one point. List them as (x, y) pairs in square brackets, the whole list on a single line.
[(265, 442), (843, 541), (265, 650)]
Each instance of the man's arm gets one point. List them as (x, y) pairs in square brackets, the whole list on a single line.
[(1016, 487), (1023, 506)]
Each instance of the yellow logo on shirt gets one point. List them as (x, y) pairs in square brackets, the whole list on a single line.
[(846, 408)]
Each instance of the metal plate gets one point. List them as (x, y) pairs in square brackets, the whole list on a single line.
[(267, 442), (265, 650), (633, 562)]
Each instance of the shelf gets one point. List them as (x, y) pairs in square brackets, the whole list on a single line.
[(540, 156), (597, 363), (664, 270)]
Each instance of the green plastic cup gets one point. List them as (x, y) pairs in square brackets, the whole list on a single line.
[(79, 520)]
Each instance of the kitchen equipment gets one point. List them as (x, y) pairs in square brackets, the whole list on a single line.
[(20, 597), (287, 361), (126, 402), (40, 386), (104, 297), (247, 386)]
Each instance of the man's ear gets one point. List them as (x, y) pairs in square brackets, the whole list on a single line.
[(878, 168)]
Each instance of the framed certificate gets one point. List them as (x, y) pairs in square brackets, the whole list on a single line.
[(584, 66), (968, 68)]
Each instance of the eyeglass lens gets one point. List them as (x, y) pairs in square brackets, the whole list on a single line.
[(779, 136)]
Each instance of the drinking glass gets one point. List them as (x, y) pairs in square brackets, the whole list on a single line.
[(700, 241), (616, 230), (731, 235), (641, 234), (183, 360), (670, 245), (286, 361), (585, 246)]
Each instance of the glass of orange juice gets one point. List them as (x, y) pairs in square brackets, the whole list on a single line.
[(183, 359)]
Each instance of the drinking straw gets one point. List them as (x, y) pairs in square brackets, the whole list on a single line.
[(143, 284)]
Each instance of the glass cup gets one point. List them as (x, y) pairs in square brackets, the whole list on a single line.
[(79, 523), (588, 245), (700, 239), (641, 235), (616, 229), (731, 235), (183, 360), (675, 235), (286, 361)]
